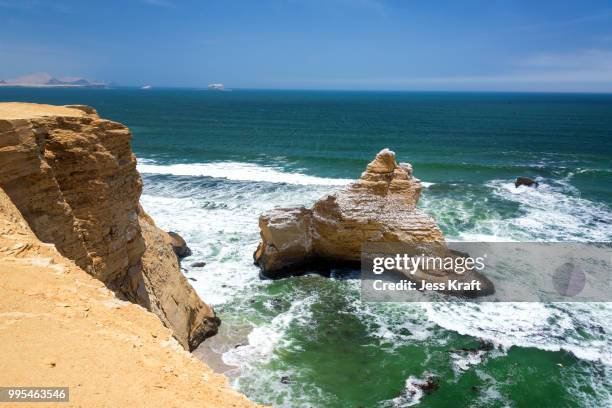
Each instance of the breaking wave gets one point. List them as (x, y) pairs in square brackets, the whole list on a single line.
[(238, 171)]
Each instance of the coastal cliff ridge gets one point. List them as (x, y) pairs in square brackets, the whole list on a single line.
[(72, 175)]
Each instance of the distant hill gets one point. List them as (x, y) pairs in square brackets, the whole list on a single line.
[(46, 80)]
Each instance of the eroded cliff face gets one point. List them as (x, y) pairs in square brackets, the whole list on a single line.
[(379, 207), (73, 177), (60, 326), (162, 289)]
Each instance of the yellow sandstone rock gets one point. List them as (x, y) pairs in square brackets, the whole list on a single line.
[(72, 175), (378, 208), (61, 327)]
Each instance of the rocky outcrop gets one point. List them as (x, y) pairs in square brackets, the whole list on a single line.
[(61, 326), (525, 181), (380, 207), (179, 245), (73, 177), (159, 288)]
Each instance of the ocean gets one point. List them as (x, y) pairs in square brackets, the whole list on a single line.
[(213, 161)]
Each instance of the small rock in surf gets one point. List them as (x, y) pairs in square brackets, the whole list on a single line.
[(525, 181)]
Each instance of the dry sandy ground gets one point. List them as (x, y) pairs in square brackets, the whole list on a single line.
[(17, 110), (61, 327)]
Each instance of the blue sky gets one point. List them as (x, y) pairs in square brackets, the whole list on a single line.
[(535, 45)]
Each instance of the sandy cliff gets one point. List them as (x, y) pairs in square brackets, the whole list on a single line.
[(59, 326), (72, 175)]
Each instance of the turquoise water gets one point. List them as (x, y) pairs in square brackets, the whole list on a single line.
[(213, 161)]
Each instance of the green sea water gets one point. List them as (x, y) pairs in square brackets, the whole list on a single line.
[(213, 161)]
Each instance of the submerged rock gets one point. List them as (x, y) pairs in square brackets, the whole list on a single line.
[(525, 181), (415, 389), (431, 384), (380, 207)]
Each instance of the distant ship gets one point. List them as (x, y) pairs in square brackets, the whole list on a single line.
[(146, 87), (216, 87)]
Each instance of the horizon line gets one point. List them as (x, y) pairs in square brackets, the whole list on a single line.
[(290, 89)]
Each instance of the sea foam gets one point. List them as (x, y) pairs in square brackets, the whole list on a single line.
[(555, 212), (239, 171)]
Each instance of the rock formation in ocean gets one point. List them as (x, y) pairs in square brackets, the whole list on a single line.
[(62, 327), (380, 207), (73, 177), (525, 181)]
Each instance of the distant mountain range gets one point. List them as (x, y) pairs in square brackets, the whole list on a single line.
[(44, 80)]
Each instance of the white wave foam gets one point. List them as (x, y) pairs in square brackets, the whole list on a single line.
[(463, 360), (275, 386), (390, 322), (490, 396), (558, 212), (551, 212), (583, 171), (411, 395), (220, 226), (263, 339), (551, 327), (240, 172), (477, 237)]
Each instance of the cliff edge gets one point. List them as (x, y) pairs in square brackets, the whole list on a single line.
[(59, 326), (73, 178)]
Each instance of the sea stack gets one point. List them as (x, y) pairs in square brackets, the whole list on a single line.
[(380, 207), (72, 176)]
